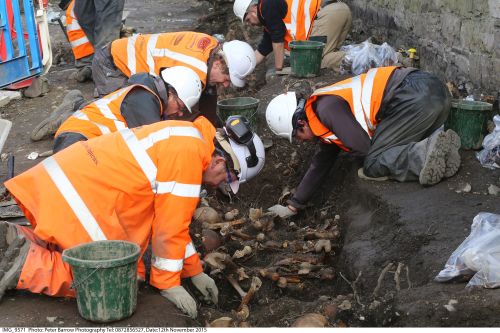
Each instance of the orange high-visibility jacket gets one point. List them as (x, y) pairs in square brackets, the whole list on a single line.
[(128, 185), (79, 42), (102, 116), (299, 19), (364, 94), (151, 53)]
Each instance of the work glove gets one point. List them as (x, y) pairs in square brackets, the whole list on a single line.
[(181, 298), (206, 285), (282, 211)]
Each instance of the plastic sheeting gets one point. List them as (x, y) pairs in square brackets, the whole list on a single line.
[(478, 257)]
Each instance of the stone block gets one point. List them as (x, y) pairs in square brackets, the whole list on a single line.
[(494, 8)]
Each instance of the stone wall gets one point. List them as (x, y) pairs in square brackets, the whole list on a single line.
[(457, 39)]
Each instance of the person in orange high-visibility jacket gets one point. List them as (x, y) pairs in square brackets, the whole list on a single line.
[(288, 20), (148, 99), (215, 63), (80, 44), (391, 116), (136, 185)]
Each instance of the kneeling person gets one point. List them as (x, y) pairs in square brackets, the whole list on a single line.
[(137, 185), (148, 99), (389, 115)]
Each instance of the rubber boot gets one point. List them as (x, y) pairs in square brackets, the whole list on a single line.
[(48, 127), (438, 146), (14, 249), (452, 159)]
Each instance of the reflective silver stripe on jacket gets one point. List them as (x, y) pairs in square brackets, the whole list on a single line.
[(139, 151), (178, 189), (103, 106), (361, 97), (131, 61), (80, 115), (73, 199), (307, 21), (78, 42), (188, 60), (173, 265), (330, 138)]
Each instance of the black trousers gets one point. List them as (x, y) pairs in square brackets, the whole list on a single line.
[(100, 20), (419, 106)]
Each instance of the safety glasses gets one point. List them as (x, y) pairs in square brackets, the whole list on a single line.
[(298, 115)]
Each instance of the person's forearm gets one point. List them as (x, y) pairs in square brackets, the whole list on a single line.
[(259, 57), (279, 54)]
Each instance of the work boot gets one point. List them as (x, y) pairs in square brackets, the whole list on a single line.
[(48, 127), (84, 74), (438, 146), (361, 174), (13, 249), (452, 159)]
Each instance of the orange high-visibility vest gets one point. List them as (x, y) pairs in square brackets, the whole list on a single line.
[(102, 116), (299, 19), (151, 53), (364, 94), (79, 42), (134, 184)]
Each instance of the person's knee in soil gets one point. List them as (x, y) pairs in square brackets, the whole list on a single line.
[(148, 99), (48, 126), (333, 116), (333, 22), (13, 251)]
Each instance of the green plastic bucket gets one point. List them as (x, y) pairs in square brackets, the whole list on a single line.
[(105, 279), (468, 119), (305, 57), (244, 106)]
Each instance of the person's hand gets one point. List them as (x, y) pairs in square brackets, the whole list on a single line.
[(282, 211), (284, 71), (181, 298), (206, 285)]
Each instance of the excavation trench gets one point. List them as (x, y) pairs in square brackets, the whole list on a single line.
[(339, 196)]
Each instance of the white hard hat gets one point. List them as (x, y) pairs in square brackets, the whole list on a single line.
[(186, 83), (240, 59), (240, 8), (279, 114), (244, 147), (242, 152)]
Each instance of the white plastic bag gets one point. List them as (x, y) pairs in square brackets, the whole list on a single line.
[(359, 58), (490, 155), (478, 256)]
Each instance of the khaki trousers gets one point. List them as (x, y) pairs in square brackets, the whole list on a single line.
[(333, 21)]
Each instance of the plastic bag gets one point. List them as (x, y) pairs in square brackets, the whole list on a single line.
[(359, 58), (490, 155), (478, 256)]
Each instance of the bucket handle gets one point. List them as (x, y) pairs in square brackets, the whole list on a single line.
[(78, 283)]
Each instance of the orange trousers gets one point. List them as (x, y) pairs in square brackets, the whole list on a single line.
[(44, 271)]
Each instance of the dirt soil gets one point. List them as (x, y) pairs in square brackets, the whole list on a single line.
[(404, 224)]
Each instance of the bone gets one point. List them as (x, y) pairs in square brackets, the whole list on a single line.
[(242, 253), (221, 225), (323, 244), (236, 286), (322, 235), (254, 287)]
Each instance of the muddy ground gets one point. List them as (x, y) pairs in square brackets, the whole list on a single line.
[(414, 228)]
